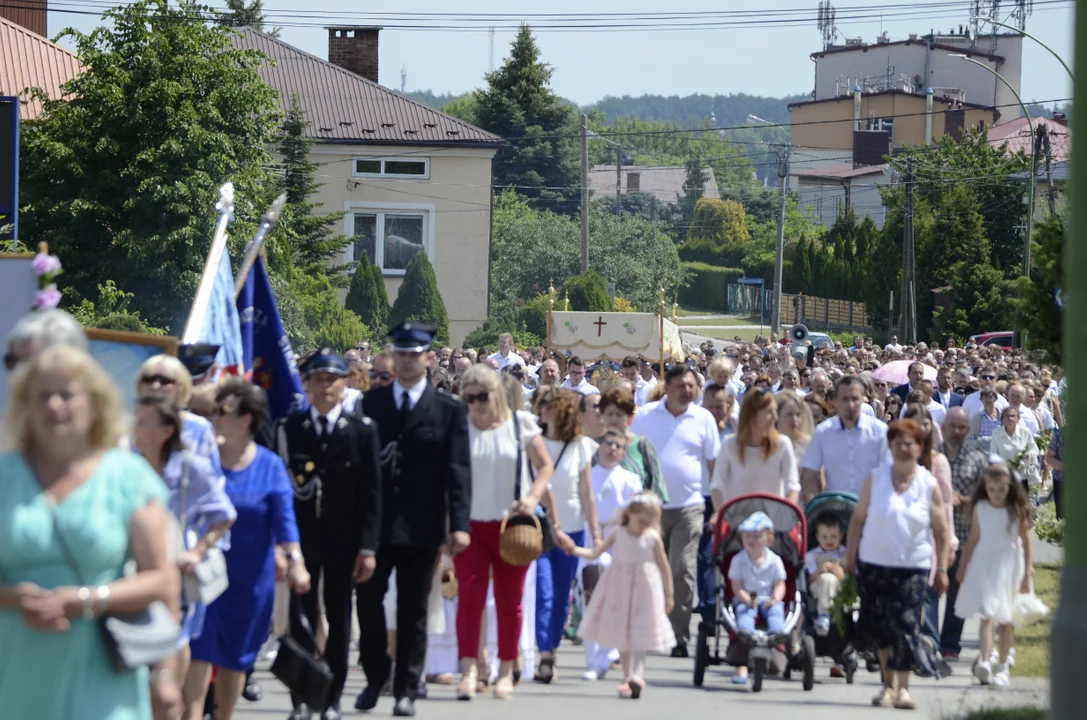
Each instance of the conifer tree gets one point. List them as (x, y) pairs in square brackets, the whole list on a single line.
[(419, 300), (364, 299)]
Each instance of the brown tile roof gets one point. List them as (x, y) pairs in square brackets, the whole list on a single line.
[(27, 61), (346, 108), (970, 52), (666, 183)]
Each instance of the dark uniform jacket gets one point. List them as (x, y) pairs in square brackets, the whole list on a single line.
[(425, 464), (336, 479)]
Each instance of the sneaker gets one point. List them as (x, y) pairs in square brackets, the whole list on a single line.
[(885, 698), (1001, 678), (679, 651), (994, 657), (983, 671), (594, 675), (949, 655), (822, 625)]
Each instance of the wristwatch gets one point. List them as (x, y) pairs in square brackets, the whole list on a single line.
[(295, 555)]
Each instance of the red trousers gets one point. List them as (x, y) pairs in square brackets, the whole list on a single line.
[(475, 567)]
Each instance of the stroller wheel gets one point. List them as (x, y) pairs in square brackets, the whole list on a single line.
[(759, 671), (809, 662), (701, 657)]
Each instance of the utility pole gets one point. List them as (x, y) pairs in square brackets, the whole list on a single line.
[(584, 192), (1047, 150), (779, 256), (618, 181), (909, 302)]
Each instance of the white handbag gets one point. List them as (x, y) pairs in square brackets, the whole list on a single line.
[(209, 580)]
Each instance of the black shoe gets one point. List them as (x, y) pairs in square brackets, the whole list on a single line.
[(252, 691), (332, 713), (405, 707), (367, 699), (299, 713), (680, 651)]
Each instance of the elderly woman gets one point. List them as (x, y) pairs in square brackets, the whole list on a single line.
[(985, 423), (616, 410), (73, 510), (257, 484), (39, 330), (1013, 442), (897, 529), (498, 437), (197, 500), (166, 377)]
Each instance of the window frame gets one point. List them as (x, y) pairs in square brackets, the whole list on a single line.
[(395, 176), (380, 209)]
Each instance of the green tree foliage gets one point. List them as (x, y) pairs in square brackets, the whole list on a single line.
[(110, 312), (540, 159), (720, 226), (419, 299), (323, 321), (121, 178), (694, 187), (640, 204), (977, 301), (1036, 310), (588, 291), (366, 300), (239, 13), (487, 334)]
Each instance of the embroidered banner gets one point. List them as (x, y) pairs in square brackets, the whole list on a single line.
[(614, 336)]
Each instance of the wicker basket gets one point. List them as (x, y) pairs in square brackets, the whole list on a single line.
[(450, 587), (520, 539)]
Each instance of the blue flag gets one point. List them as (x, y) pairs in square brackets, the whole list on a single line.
[(220, 326), (265, 346)]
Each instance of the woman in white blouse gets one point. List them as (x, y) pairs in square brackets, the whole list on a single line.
[(757, 458), (794, 420), (493, 432), (1013, 440)]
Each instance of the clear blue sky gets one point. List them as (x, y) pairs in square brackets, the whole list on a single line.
[(589, 65)]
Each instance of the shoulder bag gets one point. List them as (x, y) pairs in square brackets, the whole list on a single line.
[(547, 525), (303, 671), (131, 641), (209, 580)]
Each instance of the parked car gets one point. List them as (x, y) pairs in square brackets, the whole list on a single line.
[(1005, 338)]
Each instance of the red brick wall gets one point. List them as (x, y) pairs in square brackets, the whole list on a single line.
[(355, 50)]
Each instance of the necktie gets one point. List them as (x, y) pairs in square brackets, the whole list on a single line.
[(322, 425), (405, 405)]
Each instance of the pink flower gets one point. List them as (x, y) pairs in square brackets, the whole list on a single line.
[(47, 298), (43, 264)]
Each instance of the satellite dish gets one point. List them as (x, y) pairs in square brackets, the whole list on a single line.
[(798, 333)]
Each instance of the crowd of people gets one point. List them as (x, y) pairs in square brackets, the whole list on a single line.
[(386, 503)]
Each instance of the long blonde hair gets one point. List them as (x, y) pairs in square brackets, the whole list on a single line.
[(486, 377), (107, 423), (754, 402), (807, 421), (173, 368)]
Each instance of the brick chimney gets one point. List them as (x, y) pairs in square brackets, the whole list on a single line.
[(634, 181), (354, 49), (31, 14)]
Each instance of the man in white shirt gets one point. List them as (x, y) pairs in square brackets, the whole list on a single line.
[(507, 353), (893, 346), (790, 380), (629, 371), (986, 379), (846, 447), (1016, 394), (685, 436), (649, 381), (575, 379), (549, 373)]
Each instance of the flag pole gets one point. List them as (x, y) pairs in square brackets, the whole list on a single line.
[(225, 206), (256, 245)]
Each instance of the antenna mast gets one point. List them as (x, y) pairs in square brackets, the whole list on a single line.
[(825, 20), (490, 65), (403, 78), (1023, 9)]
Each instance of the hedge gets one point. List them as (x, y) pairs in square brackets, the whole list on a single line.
[(708, 285)]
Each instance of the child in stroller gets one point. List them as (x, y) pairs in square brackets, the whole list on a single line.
[(828, 516)]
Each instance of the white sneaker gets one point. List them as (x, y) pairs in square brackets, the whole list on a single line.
[(594, 675), (1001, 678), (994, 657), (983, 671)]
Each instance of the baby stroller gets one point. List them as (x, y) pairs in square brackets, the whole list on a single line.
[(836, 645), (790, 542)]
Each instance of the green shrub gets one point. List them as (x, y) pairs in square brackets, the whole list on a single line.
[(419, 300), (588, 292), (365, 300), (487, 334), (708, 286), (533, 317), (706, 251), (1046, 525)]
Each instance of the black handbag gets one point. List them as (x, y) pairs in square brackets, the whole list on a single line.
[(303, 670), (547, 526)]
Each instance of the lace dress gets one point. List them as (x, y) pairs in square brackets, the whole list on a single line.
[(627, 609), (995, 571)]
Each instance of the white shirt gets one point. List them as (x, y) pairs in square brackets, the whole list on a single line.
[(584, 388), (682, 443), (777, 474), (352, 400), (1029, 418), (414, 393), (893, 348), (566, 482), (494, 466), (641, 392), (760, 579), (330, 419), (511, 359), (847, 456), (972, 404), (814, 559), (612, 488), (898, 528), (936, 412)]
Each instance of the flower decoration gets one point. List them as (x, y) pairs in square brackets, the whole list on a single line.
[(47, 267)]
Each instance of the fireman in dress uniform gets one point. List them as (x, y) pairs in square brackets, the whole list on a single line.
[(426, 499), (332, 456)]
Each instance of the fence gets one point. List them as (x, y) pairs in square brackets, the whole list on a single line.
[(749, 301), (823, 314)]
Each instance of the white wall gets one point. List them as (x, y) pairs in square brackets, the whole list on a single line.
[(826, 198)]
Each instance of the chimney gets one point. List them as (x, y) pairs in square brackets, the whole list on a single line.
[(30, 14), (634, 182), (354, 49), (928, 116), (856, 107)]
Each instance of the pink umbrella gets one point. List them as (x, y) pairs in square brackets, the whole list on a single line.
[(896, 372)]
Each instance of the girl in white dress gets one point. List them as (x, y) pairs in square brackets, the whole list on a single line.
[(996, 565)]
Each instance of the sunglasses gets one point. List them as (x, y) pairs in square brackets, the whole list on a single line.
[(988, 377), (160, 379), (381, 375), (472, 398)]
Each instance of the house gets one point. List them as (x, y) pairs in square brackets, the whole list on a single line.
[(1017, 134), (664, 183), (839, 144), (1058, 173), (29, 60), (409, 178)]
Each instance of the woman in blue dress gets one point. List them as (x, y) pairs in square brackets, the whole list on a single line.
[(236, 625), (165, 376), (197, 500), (68, 492)]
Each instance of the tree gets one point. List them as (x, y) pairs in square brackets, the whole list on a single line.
[(540, 159), (419, 300), (121, 178), (364, 300), (110, 312), (694, 186), (303, 238), (240, 14), (721, 225), (588, 292), (325, 322), (1037, 313), (977, 300)]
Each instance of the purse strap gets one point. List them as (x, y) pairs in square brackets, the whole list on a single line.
[(307, 629), (184, 491), (517, 476)]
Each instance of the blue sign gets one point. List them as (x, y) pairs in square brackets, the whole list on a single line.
[(750, 281), (1058, 296), (9, 165)]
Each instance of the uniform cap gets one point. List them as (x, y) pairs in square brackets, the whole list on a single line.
[(324, 360), (412, 337), (197, 357)]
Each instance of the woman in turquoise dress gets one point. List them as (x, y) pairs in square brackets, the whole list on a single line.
[(66, 486), (236, 624)]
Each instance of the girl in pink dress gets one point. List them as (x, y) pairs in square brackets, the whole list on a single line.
[(629, 608)]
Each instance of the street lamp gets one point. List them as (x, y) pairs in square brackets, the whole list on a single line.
[(1024, 33), (1033, 173), (618, 171), (779, 255)]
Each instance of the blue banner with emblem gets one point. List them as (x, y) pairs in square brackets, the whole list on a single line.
[(266, 347)]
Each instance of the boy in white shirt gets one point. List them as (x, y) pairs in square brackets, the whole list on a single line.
[(824, 567), (757, 576)]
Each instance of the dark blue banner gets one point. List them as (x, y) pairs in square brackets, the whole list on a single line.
[(266, 349), (9, 166)]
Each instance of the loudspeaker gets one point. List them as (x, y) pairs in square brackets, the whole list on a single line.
[(798, 333)]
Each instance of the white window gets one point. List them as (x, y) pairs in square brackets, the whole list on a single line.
[(402, 167), (389, 235)]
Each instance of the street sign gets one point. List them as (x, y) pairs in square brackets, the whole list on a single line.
[(9, 165), (750, 281)]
